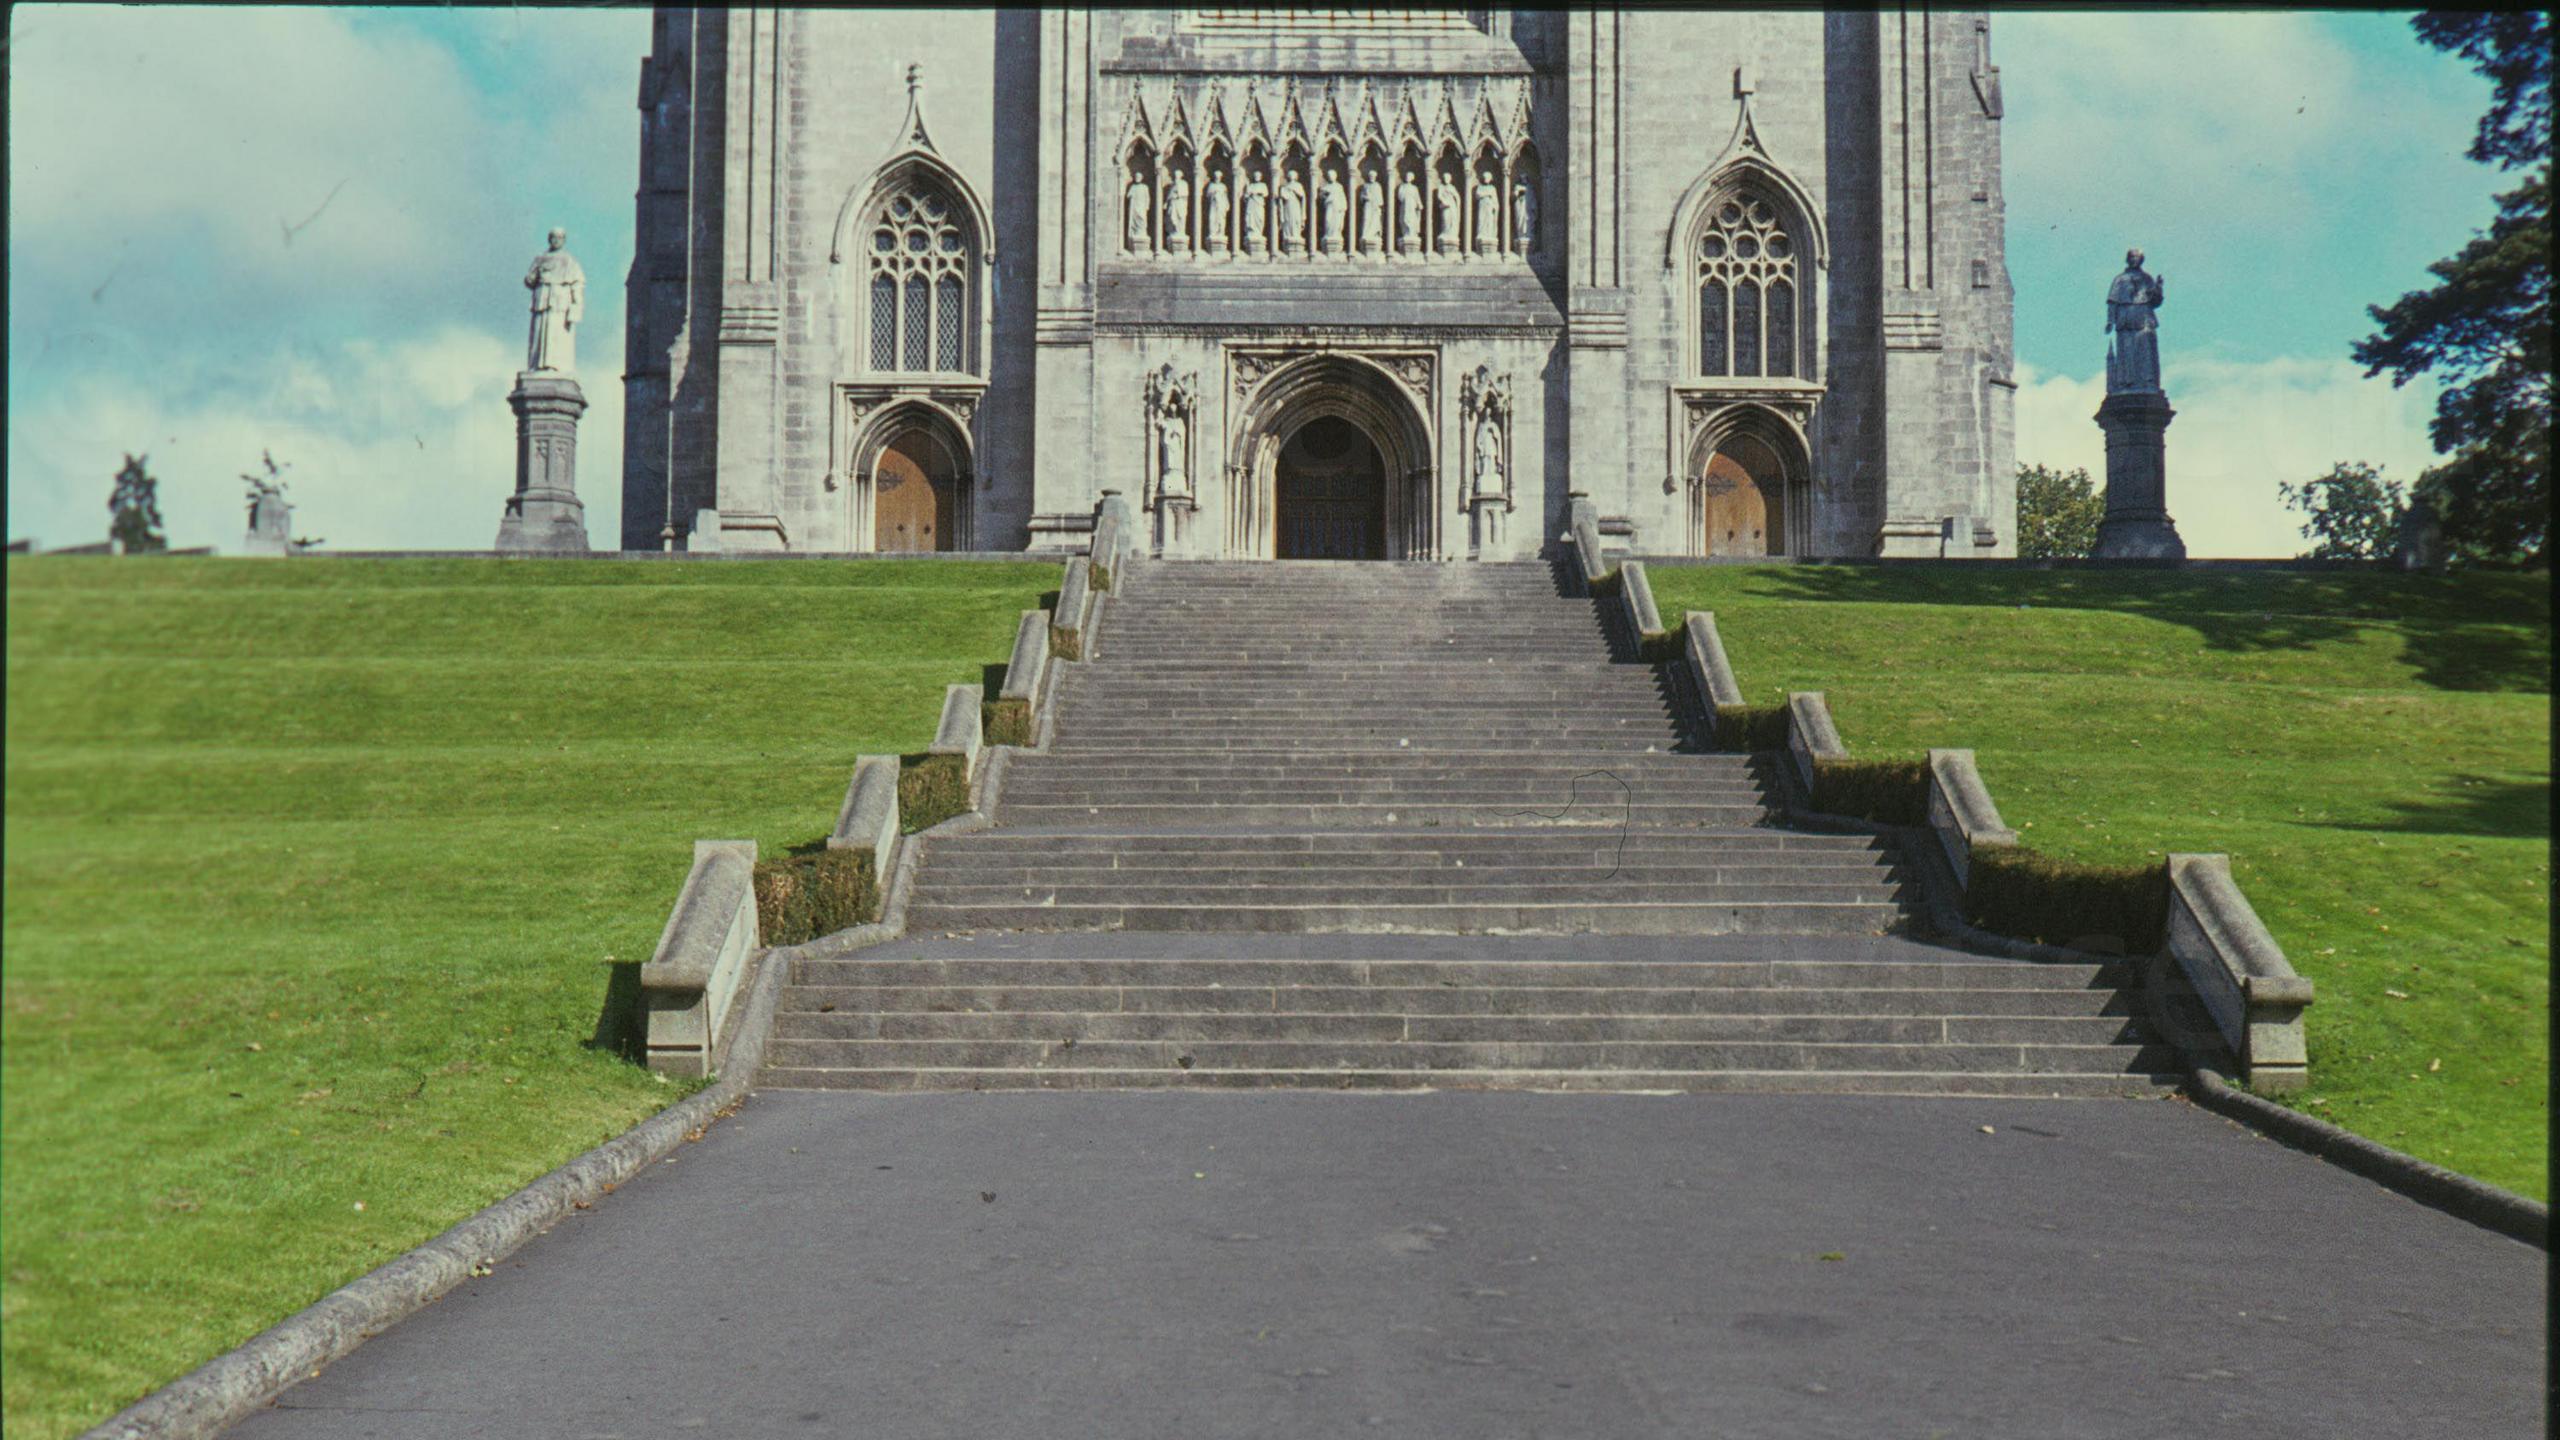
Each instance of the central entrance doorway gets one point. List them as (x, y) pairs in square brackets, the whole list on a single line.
[(915, 488), (1741, 502), (1330, 494)]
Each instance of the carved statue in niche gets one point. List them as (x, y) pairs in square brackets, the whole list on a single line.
[(1333, 205), (1293, 215), (1257, 212), (1524, 218), (1488, 452), (1213, 216), (1141, 215), (1444, 203), (1408, 216), (1488, 400), (1488, 214), (1169, 410), (1373, 214), (1177, 214), (1173, 457)]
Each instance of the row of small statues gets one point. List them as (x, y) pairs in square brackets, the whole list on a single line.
[(1335, 234)]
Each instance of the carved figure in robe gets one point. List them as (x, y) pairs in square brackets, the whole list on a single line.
[(1488, 452), (1373, 214), (1333, 206), (2133, 306), (1408, 216), (1444, 205), (1488, 215), (1141, 216), (559, 289), (1524, 218), (1257, 215), (1213, 216), (1173, 457), (1177, 214), (1292, 211)]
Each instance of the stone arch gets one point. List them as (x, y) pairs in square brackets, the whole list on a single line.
[(1353, 389), (905, 422), (911, 172), (1774, 450)]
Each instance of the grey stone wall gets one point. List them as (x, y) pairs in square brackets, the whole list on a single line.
[(759, 126)]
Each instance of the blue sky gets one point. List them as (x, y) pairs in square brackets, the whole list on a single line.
[(2284, 169)]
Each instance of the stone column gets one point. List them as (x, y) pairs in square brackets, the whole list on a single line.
[(545, 516), (2137, 524)]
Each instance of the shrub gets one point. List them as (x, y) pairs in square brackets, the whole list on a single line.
[(1751, 728), (931, 789), (1065, 644), (1663, 647), (801, 897), (1889, 792), (1007, 722), (2018, 892), (1101, 577)]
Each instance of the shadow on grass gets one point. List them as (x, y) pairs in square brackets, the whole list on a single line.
[(622, 1026), (2477, 631), (2507, 809)]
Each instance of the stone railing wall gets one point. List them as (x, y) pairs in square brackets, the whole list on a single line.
[(1960, 811), (688, 987), (2238, 971)]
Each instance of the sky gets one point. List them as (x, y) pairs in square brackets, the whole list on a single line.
[(236, 230)]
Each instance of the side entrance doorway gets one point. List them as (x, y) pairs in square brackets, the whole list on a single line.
[(1741, 501), (1330, 494), (915, 495)]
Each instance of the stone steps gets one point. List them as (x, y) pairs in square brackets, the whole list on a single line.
[(1394, 1055), (1825, 1082), (1349, 914)]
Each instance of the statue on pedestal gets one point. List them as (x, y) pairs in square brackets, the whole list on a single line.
[(1444, 203), (1213, 216), (1333, 205), (2133, 306), (1177, 214), (1488, 452), (1488, 216), (1373, 215), (1257, 211), (559, 300), (1524, 219), (1293, 215), (1141, 216), (1408, 216)]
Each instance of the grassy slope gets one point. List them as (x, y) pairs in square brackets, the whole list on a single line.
[(2372, 750), (314, 872)]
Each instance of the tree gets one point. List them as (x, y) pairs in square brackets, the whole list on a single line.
[(2354, 514), (2058, 513), (136, 508), (2486, 326)]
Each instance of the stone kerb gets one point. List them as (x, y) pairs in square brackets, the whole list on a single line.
[(1961, 812), (2254, 995), (1075, 596), (1717, 686), (1028, 670), (869, 819), (962, 732), (1583, 531), (702, 957), (1810, 735)]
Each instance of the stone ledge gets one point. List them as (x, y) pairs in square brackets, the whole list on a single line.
[(962, 732), (1960, 811), (868, 819), (1707, 664), (2250, 989), (1028, 670), (702, 956), (1810, 735)]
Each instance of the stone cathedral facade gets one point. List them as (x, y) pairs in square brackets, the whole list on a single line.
[(1320, 283)]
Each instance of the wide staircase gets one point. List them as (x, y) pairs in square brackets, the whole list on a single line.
[(1322, 823)]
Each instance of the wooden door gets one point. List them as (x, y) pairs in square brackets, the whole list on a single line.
[(911, 498), (1330, 495), (1736, 510)]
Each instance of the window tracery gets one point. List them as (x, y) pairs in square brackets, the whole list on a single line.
[(1751, 290), (922, 263)]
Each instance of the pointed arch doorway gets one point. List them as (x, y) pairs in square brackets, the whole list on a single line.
[(1332, 460), (1329, 494)]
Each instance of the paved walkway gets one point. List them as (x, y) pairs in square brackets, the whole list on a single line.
[(1295, 1264)]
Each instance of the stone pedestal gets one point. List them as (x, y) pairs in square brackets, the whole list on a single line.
[(1174, 514), (270, 527), (1491, 528), (2137, 524), (545, 516)]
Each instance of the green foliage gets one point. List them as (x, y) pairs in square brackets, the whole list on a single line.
[(2371, 748), (1663, 647), (2485, 328), (2354, 514), (135, 506), (931, 789), (2058, 513), (1065, 644), (1750, 729), (1006, 722), (801, 897), (2113, 909), (1889, 792), (425, 808), (1100, 578)]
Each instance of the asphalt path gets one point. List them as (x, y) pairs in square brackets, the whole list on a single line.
[(1293, 1264)]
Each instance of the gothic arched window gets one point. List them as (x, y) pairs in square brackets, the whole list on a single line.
[(1751, 290), (923, 259)]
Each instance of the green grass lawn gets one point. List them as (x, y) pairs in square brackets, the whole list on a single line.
[(2372, 750), (316, 873)]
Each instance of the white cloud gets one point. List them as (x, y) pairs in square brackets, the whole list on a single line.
[(403, 446), (2241, 429)]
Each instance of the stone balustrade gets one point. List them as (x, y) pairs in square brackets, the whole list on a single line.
[(691, 983)]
